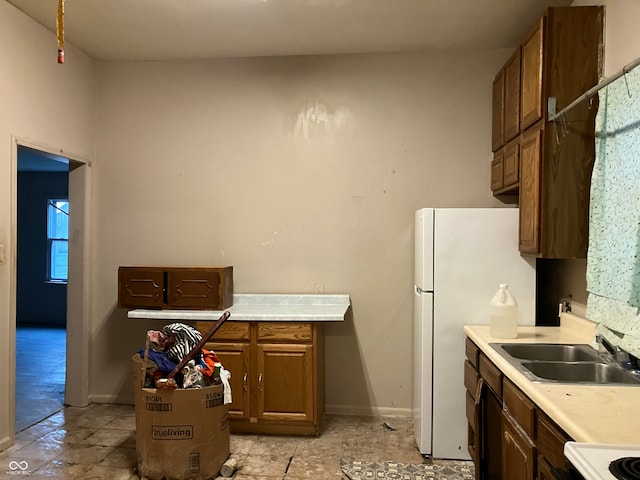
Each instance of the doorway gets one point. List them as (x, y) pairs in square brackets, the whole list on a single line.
[(79, 314), (42, 274)]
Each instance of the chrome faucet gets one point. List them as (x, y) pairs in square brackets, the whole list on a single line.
[(624, 359)]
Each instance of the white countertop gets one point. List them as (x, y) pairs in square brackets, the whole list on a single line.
[(264, 308), (588, 413)]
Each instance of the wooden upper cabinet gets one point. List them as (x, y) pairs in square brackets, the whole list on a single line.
[(531, 92), (512, 96), (497, 120), (197, 288), (559, 60)]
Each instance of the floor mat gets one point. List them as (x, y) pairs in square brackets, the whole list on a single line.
[(432, 470)]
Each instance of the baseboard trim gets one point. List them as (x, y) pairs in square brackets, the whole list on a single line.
[(364, 411), (368, 411), (105, 399)]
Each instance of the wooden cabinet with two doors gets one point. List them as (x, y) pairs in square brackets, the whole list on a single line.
[(547, 165), (172, 287), (277, 375)]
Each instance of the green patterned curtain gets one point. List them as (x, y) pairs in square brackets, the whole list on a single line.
[(613, 258)]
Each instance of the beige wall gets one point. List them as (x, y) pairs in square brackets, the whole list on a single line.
[(45, 103), (298, 172)]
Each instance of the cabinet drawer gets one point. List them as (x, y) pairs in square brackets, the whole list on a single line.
[(491, 375), (550, 441), (471, 377), (284, 332), (471, 351), (228, 331), (520, 407)]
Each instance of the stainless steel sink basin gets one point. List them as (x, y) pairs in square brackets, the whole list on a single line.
[(552, 352), (583, 372), (565, 363)]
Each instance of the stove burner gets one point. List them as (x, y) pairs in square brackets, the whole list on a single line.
[(626, 468)]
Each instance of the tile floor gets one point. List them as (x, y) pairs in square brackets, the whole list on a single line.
[(98, 442)]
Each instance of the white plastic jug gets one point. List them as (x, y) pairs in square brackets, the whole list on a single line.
[(503, 314)]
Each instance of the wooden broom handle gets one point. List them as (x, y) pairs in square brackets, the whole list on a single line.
[(192, 353)]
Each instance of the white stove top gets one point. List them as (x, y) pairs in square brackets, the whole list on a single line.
[(592, 459)]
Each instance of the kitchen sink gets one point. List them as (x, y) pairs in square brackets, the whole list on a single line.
[(583, 372), (565, 363), (552, 352)]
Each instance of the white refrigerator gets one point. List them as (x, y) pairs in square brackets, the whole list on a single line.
[(461, 257)]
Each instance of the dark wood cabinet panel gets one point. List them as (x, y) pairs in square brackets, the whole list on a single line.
[(550, 441), (491, 375), (518, 451), (497, 120), (520, 407), (497, 166), (512, 97), (530, 185), (532, 81)]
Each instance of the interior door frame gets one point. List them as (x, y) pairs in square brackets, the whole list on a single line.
[(79, 285)]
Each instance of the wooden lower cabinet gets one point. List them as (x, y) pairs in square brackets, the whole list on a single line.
[(509, 436), (277, 378)]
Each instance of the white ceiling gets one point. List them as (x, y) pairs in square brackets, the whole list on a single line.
[(198, 29)]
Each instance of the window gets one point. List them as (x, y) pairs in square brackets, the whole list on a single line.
[(58, 239)]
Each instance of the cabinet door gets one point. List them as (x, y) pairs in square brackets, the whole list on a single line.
[(532, 87), (530, 160), (511, 164), (512, 97), (235, 358), (197, 288), (490, 433), (518, 451), (285, 383), (550, 441), (140, 287), (497, 119), (496, 171)]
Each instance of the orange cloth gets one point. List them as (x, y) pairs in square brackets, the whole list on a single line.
[(208, 362)]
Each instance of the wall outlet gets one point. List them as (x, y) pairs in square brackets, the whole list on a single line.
[(320, 288)]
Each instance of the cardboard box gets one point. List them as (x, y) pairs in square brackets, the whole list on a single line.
[(180, 434)]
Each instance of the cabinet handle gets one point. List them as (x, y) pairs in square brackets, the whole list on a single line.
[(260, 382), (244, 382)]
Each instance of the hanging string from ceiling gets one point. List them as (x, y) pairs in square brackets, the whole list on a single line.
[(60, 31)]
